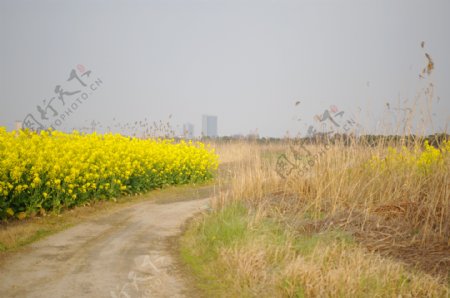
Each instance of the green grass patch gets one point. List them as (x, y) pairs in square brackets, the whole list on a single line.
[(233, 252), (219, 229), (306, 244), (234, 228)]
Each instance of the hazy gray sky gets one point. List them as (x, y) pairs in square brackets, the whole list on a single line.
[(247, 62)]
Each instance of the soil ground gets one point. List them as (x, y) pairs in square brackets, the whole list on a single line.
[(126, 253)]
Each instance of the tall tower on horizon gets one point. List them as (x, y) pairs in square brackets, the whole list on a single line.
[(209, 126)]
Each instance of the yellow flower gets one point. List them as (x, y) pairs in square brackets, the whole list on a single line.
[(68, 165), (422, 161), (10, 212)]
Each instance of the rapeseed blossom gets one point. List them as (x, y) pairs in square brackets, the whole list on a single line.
[(50, 170), (417, 159)]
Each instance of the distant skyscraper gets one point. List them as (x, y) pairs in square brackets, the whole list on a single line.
[(188, 130), (209, 126)]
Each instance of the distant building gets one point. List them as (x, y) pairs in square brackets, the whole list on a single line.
[(209, 126), (188, 130)]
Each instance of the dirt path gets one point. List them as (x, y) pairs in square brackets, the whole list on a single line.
[(123, 254)]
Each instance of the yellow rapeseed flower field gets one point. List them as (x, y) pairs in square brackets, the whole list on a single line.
[(50, 170), (418, 159)]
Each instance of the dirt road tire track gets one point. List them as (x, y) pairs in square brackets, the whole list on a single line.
[(123, 254)]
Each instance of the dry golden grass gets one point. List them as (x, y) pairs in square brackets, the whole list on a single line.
[(340, 181), (337, 270), (397, 222)]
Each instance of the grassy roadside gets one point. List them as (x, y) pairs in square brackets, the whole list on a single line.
[(17, 234), (237, 252), (341, 230)]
